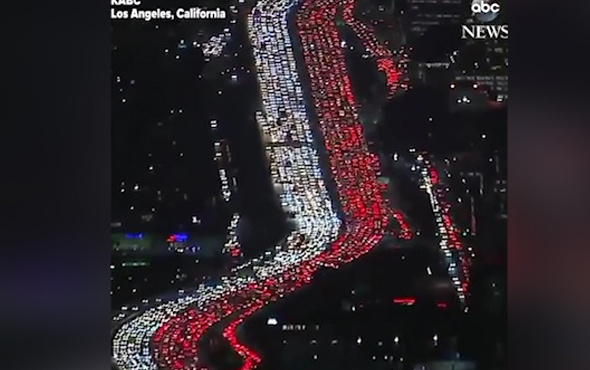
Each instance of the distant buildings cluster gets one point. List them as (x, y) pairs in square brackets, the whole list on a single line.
[(476, 70)]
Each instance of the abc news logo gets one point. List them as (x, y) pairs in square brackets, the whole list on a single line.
[(485, 12), (484, 8)]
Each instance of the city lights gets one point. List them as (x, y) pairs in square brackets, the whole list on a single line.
[(333, 150)]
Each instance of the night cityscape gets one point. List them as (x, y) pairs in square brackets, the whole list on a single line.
[(309, 184)]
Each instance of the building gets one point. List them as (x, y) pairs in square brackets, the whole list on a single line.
[(434, 73), (480, 68), (164, 244), (222, 158), (483, 68), (420, 15)]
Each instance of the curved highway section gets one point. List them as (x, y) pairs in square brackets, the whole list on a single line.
[(169, 335)]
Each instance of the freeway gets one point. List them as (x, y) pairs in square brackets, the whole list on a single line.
[(170, 335), (456, 257)]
